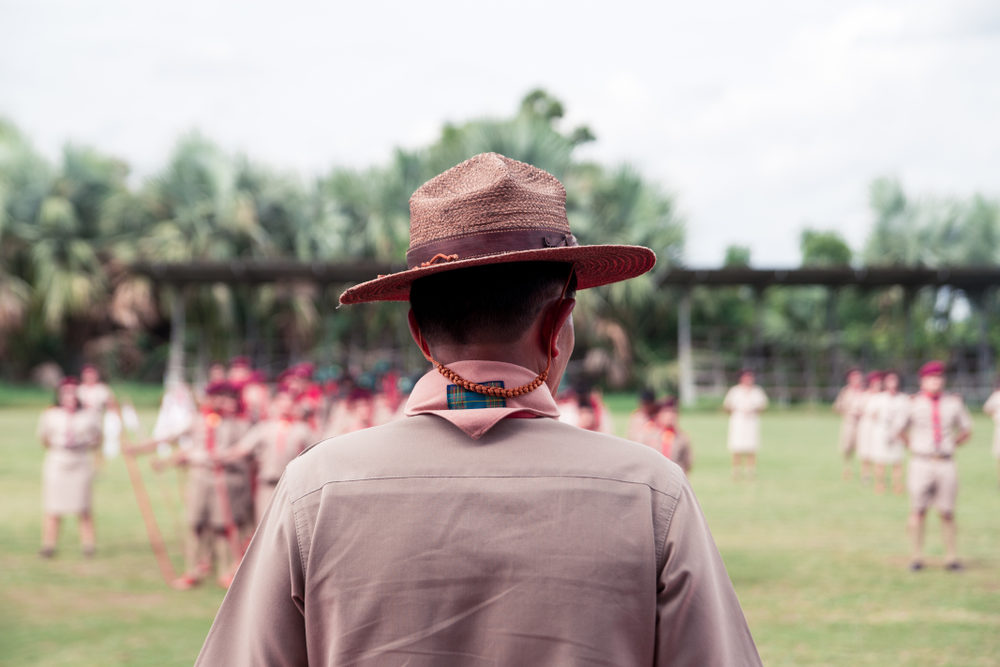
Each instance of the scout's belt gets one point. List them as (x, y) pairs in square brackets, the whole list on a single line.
[(937, 456)]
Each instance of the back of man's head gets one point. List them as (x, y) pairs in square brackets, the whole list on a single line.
[(490, 304)]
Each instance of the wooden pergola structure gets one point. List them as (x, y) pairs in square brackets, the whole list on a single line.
[(971, 280)]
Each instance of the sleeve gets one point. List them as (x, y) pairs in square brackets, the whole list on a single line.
[(699, 620), (839, 405), (762, 399), (991, 404), (261, 620), (727, 402)]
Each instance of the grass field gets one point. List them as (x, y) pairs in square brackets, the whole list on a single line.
[(819, 564)]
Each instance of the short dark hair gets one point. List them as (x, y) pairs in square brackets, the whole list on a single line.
[(492, 303)]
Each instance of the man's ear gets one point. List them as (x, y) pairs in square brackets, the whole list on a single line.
[(556, 317), (418, 337)]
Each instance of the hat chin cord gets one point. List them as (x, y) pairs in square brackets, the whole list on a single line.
[(502, 391)]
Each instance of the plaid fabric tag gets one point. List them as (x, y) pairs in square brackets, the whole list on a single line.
[(463, 399)]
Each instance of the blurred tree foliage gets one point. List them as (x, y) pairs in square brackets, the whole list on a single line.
[(69, 231)]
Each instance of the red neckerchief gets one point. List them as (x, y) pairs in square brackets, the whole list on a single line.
[(212, 420), (935, 400), (667, 440)]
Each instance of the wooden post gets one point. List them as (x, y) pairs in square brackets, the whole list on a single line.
[(178, 324), (685, 359)]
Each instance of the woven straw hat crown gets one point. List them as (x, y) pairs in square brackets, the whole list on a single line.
[(488, 194), (491, 209)]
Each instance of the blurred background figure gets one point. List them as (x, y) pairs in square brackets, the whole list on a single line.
[(219, 500), (175, 417), (888, 447), (937, 423), (96, 395), (662, 434), (992, 409), (744, 402), (71, 435), (641, 416), (848, 405), (272, 443), (869, 424)]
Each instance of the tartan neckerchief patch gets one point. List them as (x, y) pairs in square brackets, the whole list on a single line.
[(463, 399)]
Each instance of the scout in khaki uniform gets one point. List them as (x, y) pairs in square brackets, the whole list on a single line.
[(887, 448), (480, 529), (641, 416), (992, 408), (869, 423), (744, 403), (848, 406), (936, 424), (219, 501), (663, 435), (272, 443), (71, 436)]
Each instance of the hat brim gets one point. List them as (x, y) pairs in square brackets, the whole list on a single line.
[(594, 265)]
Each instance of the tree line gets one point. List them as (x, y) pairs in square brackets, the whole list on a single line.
[(69, 232)]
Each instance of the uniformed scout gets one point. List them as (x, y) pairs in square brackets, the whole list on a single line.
[(479, 529), (663, 435), (71, 436), (887, 446), (868, 423), (744, 402), (219, 500), (936, 424), (848, 405), (272, 443), (992, 408), (641, 416)]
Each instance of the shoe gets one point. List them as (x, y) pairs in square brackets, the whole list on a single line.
[(954, 566), (225, 581), (47, 552), (184, 582), (89, 551), (916, 566)]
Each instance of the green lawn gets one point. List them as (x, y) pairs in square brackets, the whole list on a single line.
[(819, 564)]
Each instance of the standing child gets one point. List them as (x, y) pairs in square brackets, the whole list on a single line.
[(744, 403), (663, 435), (71, 435)]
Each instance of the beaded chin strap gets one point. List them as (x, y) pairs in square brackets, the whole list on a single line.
[(501, 391)]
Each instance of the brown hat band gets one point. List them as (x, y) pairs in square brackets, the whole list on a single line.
[(490, 243)]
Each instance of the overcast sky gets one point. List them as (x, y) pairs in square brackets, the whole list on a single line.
[(761, 117)]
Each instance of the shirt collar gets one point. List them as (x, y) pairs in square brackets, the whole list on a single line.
[(430, 396)]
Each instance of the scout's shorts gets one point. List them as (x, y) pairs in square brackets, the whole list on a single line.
[(932, 482)]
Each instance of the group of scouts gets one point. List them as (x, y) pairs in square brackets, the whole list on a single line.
[(880, 423), (234, 442), (237, 444)]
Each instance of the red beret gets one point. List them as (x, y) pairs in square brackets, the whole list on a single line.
[(240, 361), (221, 389), (68, 381), (932, 368), (873, 376)]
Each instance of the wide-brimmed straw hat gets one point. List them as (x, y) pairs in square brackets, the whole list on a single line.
[(491, 209)]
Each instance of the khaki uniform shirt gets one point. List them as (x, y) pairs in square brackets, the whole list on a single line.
[(474, 536), (275, 443), (954, 420), (849, 404)]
